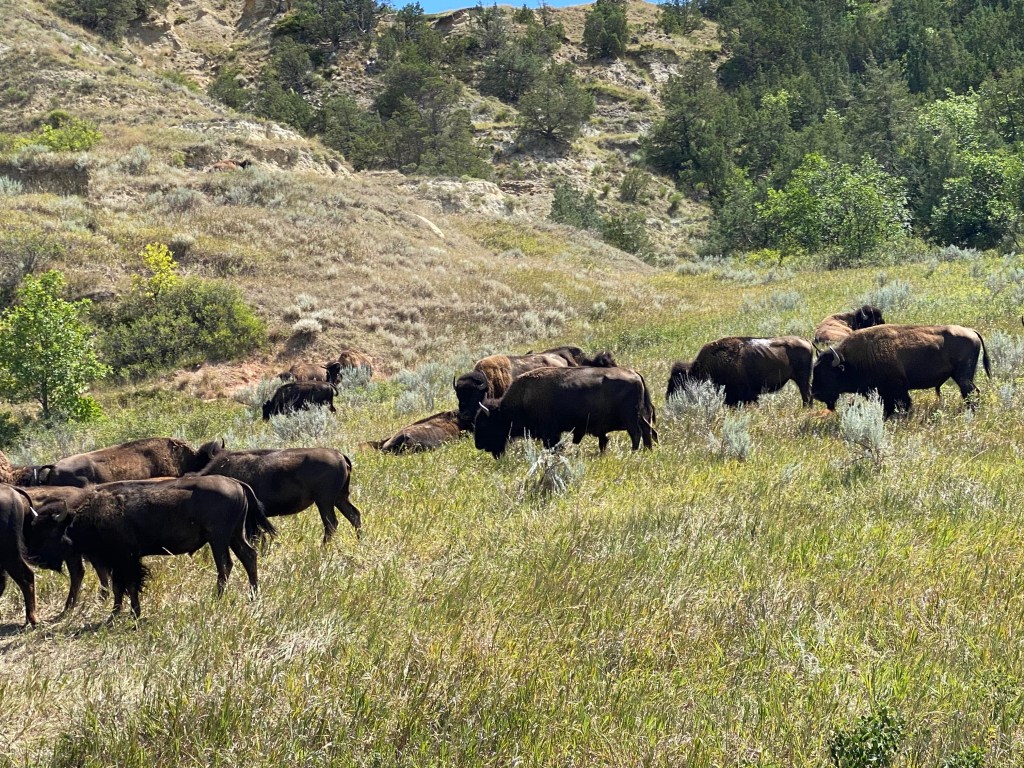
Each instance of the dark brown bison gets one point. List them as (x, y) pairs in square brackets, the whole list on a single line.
[(576, 356), (491, 377), (585, 401), (425, 434), (894, 359), (299, 395), (290, 480), (117, 524), (835, 328), (137, 460), (50, 500), (16, 513), (748, 367), (304, 372)]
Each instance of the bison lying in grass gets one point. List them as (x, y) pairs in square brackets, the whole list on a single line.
[(115, 525), (585, 401), (894, 359), (747, 368), (137, 460), (425, 434), (290, 480)]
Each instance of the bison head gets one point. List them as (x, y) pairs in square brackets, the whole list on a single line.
[(491, 428), (828, 378), (267, 410), (867, 317), (470, 389), (208, 452), (678, 378), (46, 537), (334, 372), (601, 360)]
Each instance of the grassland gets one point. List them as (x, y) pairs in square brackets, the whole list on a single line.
[(675, 607)]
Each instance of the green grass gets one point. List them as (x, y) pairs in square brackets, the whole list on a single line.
[(672, 608)]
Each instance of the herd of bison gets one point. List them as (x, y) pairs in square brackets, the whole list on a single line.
[(160, 496)]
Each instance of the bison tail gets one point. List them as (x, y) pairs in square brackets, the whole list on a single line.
[(984, 355), (256, 521), (648, 405)]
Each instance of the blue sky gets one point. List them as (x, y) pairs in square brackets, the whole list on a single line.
[(436, 6)]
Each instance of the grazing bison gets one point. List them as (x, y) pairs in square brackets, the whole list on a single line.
[(425, 434), (299, 395), (304, 372), (117, 524), (16, 513), (288, 481), (894, 359), (137, 460), (835, 328), (46, 552), (576, 356), (491, 377), (747, 367), (585, 401)]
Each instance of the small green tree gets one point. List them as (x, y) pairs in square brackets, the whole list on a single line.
[(570, 206), (47, 352), (556, 107), (605, 29), (679, 16)]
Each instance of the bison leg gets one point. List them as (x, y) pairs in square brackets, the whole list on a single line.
[(329, 519), (26, 579), (76, 572), (578, 435), (103, 574), (969, 392), (133, 595), (118, 597), (351, 512), (222, 559), (602, 443), (247, 557)]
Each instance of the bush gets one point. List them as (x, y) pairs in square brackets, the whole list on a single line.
[(306, 426), (10, 187), (108, 17), (627, 232), (551, 472), (889, 296), (736, 442), (228, 89), (605, 30), (700, 400), (569, 206), (163, 323), (862, 426), (556, 107), (871, 742), (60, 132), (136, 162), (633, 185)]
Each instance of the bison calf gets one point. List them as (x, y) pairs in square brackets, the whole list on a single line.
[(585, 401), (425, 434)]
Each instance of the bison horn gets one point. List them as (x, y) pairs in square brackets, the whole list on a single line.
[(838, 360), (485, 409)]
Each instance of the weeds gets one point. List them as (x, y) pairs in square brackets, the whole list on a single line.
[(551, 472), (736, 440), (871, 742), (861, 425)]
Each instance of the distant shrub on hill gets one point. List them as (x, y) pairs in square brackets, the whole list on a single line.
[(167, 320), (109, 18)]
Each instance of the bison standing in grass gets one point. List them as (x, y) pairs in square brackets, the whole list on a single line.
[(290, 480), (117, 524), (298, 395), (16, 513), (894, 359), (137, 460), (425, 434), (576, 356), (585, 401), (748, 367), (835, 328)]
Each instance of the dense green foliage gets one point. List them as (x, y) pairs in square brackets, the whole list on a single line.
[(930, 92), (108, 17), (58, 131), (605, 30), (167, 320), (47, 353), (556, 106)]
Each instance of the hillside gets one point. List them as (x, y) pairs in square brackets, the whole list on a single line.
[(770, 586)]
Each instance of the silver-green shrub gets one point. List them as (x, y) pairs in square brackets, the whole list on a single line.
[(861, 425)]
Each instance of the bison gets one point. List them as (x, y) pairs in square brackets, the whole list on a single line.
[(288, 481), (748, 367), (351, 358), (298, 395), (585, 401), (491, 377), (17, 474), (16, 513), (117, 524), (425, 434), (49, 554), (137, 460), (835, 328), (576, 356), (894, 359), (304, 372)]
